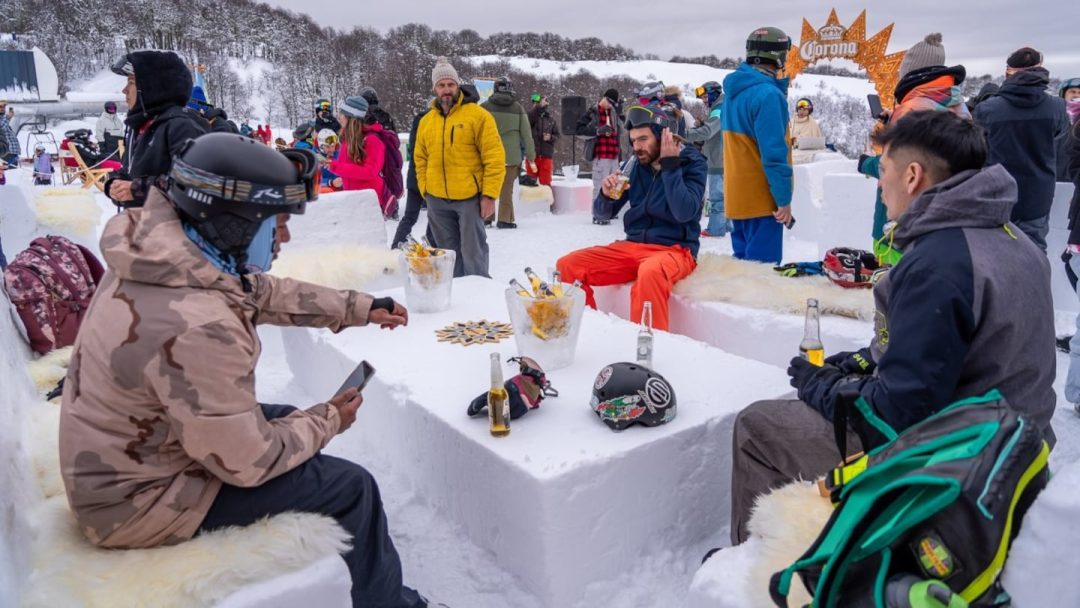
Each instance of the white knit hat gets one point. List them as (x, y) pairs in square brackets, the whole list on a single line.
[(443, 71)]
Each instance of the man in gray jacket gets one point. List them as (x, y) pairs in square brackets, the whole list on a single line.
[(966, 310), (711, 136)]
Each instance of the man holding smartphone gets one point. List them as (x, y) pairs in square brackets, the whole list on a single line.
[(161, 435)]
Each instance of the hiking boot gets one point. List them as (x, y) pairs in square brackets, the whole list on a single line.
[(601, 222), (487, 223), (505, 225)]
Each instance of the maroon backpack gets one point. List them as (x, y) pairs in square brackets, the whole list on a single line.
[(50, 283)]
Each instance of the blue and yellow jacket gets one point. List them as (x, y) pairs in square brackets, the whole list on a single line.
[(757, 151)]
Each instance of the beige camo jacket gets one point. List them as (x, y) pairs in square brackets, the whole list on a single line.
[(159, 403)]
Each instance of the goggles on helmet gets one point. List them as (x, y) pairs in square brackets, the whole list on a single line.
[(252, 199), (641, 116)]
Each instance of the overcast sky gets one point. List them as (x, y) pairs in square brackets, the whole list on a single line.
[(979, 34)]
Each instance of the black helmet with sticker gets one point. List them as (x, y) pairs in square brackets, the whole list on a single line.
[(625, 393)]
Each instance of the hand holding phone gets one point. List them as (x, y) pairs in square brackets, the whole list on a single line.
[(876, 110), (359, 378)]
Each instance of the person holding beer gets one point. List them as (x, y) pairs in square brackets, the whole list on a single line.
[(664, 186)]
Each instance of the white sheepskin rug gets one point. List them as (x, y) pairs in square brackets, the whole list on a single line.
[(337, 266), (68, 211), (69, 571), (722, 278), (536, 194), (47, 370), (787, 520)]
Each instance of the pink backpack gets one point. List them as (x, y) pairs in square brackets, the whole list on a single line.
[(50, 283)]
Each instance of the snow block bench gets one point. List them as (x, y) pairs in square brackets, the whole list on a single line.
[(563, 502), (46, 562)]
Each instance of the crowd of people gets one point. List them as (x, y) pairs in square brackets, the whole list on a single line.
[(172, 441)]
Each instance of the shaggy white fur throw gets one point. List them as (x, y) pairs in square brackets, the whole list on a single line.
[(722, 278), (48, 369), (788, 520), (537, 194), (70, 572), (72, 212), (337, 266)]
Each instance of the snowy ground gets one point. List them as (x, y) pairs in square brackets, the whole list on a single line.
[(438, 557)]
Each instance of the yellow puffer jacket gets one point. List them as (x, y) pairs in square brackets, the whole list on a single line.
[(460, 155)]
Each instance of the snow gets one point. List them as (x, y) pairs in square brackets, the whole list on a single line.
[(685, 75), (438, 469), (104, 86)]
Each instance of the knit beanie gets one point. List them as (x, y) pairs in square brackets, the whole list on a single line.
[(1024, 58), (354, 107), (924, 54), (612, 95), (443, 71)]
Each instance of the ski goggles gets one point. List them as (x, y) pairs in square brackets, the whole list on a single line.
[(641, 116), (252, 199), (329, 140), (802, 103), (323, 106), (700, 91), (122, 66)]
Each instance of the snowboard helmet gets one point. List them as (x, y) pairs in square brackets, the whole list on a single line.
[(503, 85), (328, 137), (805, 103), (768, 45), (230, 188), (851, 268), (658, 117), (625, 393), (1071, 83), (78, 134), (710, 91), (369, 94), (110, 107), (323, 105), (651, 92), (39, 148)]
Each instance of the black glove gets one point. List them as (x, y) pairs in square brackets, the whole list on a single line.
[(812, 382), (858, 362)]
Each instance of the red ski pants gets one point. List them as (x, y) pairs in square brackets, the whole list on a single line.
[(544, 167), (654, 269)]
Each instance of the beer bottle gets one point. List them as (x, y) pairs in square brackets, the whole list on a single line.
[(540, 288), (556, 283), (645, 337), (811, 347), (520, 289), (498, 400)]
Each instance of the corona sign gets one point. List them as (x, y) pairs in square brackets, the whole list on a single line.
[(834, 41)]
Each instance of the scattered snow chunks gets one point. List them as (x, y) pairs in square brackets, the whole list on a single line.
[(563, 501)]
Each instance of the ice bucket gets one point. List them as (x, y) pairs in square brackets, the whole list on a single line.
[(428, 280), (547, 329)]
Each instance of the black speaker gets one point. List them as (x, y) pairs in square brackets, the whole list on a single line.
[(573, 108)]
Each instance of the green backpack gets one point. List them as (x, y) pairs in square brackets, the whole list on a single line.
[(927, 518)]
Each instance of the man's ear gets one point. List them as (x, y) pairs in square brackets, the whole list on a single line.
[(915, 178)]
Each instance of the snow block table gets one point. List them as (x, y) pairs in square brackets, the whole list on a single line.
[(572, 195), (761, 335), (563, 502)]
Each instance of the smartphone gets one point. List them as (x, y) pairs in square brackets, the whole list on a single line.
[(875, 105), (358, 378)]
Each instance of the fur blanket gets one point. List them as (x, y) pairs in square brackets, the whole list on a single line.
[(47, 370), (337, 266), (69, 571), (722, 278), (70, 212)]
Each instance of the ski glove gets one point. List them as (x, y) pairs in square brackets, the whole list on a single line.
[(813, 383), (858, 362)]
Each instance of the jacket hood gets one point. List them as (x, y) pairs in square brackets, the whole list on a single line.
[(1026, 89), (916, 78), (501, 99), (971, 199), (148, 245), (746, 77), (162, 80)]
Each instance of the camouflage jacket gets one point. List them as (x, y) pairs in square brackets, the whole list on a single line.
[(159, 404)]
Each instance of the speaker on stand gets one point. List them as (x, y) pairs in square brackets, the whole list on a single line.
[(572, 108)]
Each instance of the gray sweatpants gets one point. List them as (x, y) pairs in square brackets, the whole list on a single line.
[(457, 225), (775, 443), (601, 168)]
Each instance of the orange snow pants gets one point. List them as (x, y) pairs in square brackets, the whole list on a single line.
[(654, 269)]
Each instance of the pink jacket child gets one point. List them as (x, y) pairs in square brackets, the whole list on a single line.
[(366, 175)]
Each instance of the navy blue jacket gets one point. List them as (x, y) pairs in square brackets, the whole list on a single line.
[(1023, 125), (967, 309), (665, 206)]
